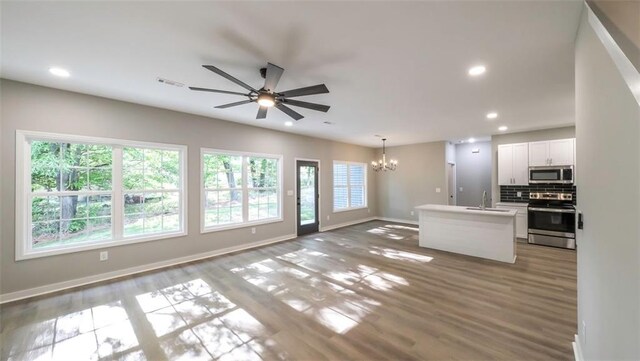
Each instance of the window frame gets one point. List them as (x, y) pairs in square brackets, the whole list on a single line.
[(23, 214), (349, 186), (244, 189)]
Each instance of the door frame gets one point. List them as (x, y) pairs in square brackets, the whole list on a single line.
[(295, 192)]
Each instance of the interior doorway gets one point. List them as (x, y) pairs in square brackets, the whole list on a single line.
[(451, 184), (308, 197)]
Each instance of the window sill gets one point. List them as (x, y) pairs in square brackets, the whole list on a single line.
[(348, 209), (97, 245), (240, 225)]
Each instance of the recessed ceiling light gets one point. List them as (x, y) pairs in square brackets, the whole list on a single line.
[(59, 72), (492, 115), (503, 128), (477, 70), (288, 123), (471, 140)]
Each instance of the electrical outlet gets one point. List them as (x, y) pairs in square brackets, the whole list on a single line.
[(368, 210), (460, 189), (412, 213), (583, 336), (519, 194), (327, 218), (289, 192), (437, 190), (104, 255), (253, 230)]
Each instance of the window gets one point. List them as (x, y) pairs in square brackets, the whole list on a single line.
[(349, 185), (239, 189), (77, 193)]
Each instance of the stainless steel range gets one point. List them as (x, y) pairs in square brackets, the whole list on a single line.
[(552, 220)]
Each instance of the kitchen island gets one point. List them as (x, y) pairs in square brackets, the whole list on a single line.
[(487, 233)]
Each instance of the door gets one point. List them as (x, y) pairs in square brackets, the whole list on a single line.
[(521, 164), (538, 154), (308, 197), (505, 165), (451, 184), (561, 152)]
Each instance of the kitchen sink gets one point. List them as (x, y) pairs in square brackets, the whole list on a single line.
[(487, 209)]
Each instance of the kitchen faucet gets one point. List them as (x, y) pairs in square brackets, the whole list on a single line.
[(484, 200)]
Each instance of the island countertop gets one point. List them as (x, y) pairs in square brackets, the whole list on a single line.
[(462, 209)]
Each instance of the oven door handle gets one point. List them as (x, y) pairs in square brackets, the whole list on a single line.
[(552, 210)]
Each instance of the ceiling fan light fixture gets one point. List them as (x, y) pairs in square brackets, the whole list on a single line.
[(266, 100)]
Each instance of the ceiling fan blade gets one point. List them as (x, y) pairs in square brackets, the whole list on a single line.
[(262, 112), (288, 111), (272, 78), (310, 90), (229, 77), (215, 91), (313, 106), (223, 106)]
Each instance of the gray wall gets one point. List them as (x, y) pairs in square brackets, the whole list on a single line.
[(523, 137), (473, 173), (622, 20), (31, 107), (421, 169), (607, 130)]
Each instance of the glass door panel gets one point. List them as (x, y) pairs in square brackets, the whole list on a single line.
[(307, 202)]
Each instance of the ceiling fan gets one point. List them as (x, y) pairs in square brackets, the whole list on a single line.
[(266, 96)]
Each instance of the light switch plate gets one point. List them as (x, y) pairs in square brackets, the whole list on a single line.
[(460, 189), (104, 255), (437, 190), (519, 194), (289, 192)]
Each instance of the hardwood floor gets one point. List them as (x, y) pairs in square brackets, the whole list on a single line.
[(361, 292)]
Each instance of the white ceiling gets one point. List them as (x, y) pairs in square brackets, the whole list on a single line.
[(393, 68)]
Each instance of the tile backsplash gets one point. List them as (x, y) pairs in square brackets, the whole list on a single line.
[(510, 193)]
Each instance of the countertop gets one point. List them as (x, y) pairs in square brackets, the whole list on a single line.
[(462, 209), (512, 204)]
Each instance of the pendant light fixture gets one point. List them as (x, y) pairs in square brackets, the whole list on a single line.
[(382, 164)]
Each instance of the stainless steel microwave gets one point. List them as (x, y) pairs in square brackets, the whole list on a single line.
[(551, 175)]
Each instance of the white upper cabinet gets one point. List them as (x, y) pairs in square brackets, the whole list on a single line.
[(521, 164), (512, 164), (551, 152), (538, 154), (561, 152)]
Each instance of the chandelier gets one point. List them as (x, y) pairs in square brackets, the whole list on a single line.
[(382, 164)]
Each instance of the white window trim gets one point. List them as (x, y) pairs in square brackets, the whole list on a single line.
[(245, 208), (23, 187), (348, 186)]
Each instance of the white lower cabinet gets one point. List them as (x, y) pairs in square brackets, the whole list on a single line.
[(522, 226)]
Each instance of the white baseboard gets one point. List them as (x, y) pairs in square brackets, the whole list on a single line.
[(577, 349), (345, 224), (397, 220), (59, 286)]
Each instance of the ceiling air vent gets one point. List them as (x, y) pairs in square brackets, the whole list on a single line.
[(169, 82)]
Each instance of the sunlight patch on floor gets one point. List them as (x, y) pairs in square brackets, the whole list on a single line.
[(400, 255)]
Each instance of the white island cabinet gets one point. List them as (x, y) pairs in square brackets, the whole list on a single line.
[(489, 233)]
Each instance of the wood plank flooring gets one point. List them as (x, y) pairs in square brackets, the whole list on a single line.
[(362, 292)]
